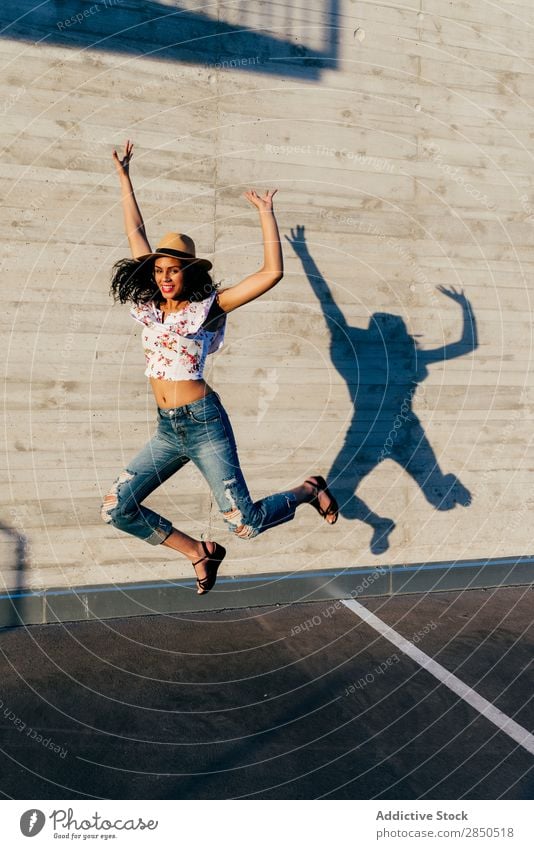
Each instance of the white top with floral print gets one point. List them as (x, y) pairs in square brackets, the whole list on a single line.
[(176, 349)]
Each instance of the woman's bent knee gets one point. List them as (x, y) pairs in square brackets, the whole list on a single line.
[(236, 524), (243, 518), (121, 510), (111, 499), (246, 531)]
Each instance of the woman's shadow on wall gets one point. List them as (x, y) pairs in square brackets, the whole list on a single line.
[(383, 367)]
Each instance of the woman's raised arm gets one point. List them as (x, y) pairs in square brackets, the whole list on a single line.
[(272, 269), (133, 220)]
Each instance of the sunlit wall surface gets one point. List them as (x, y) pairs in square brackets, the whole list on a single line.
[(394, 358)]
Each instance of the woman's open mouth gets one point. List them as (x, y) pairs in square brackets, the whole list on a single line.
[(167, 289)]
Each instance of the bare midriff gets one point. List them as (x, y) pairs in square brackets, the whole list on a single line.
[(176, 393)]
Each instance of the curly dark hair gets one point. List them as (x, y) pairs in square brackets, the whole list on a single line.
[(133, 280)]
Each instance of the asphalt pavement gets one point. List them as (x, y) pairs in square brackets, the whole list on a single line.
[(300, 701)]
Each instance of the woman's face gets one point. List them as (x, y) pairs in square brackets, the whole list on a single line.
[(169, 276)]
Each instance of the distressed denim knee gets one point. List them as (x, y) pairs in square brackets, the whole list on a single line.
[(243, 518), (125, 514), (110, 510), (247, 519)]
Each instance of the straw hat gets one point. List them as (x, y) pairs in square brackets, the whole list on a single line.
[(177, 245)]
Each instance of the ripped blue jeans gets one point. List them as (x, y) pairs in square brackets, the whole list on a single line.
[(201, 432)]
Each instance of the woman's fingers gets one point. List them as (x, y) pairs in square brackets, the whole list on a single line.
[(123, 162), (252, 196), (127, 152), (258, 201)]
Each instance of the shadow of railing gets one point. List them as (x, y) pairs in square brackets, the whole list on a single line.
[(383, 366), (265, 38)]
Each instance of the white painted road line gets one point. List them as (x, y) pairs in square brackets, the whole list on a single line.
[(503, 722)]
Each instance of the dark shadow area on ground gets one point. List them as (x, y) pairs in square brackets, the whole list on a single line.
[(383, 367), (268, 40)]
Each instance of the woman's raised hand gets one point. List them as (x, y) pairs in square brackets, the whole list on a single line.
[(122, 165), (261, 203)]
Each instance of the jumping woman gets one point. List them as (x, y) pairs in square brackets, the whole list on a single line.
[(184, 316)]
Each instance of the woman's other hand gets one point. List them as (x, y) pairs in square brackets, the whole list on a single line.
[(122, 165), (261, 203)]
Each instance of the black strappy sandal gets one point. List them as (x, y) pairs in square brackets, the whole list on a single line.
[(215, 559), (319, 485)]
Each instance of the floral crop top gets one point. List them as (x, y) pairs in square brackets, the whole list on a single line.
[(176, 349)]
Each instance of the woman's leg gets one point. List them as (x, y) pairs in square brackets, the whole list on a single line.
[(212, 447), (122, 507), (160, 458)]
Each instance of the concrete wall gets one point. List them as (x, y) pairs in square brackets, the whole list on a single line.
[(400, 140)]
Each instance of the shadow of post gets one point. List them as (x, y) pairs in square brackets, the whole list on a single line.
[(14, 615), (383, 368)]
